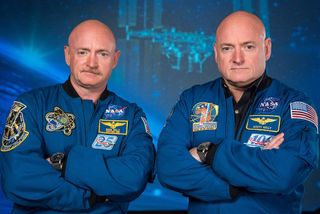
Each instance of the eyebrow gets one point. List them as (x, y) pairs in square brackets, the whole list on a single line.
[(226, 44), (249, 42), (99, 50), (244, 43)]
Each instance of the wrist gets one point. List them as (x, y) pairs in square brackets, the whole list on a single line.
[(202, 151), (211, 153), (57, 160)]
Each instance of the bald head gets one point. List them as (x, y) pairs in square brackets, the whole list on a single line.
[(94, 28), (241, 50), (241, 19), (91, 55)]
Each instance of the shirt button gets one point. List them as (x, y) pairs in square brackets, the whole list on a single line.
[(236, 111)]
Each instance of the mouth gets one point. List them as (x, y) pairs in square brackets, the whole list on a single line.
[(90, 72), (239, 68)]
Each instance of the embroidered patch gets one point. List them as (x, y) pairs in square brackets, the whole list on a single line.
[(117, 127), (268, 123), (259, 140), (269, 104), (146, 126), (303, 111), (15, 129), (58, 120), (114, 111), (104, 142), (203, 116)]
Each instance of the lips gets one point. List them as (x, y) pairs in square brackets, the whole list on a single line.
[(90, 71), (239, 68)]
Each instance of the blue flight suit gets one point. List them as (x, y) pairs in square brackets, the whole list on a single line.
[(267, 181), (109, 151)]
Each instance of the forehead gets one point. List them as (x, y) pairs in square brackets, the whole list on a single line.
[(239, 32), (93, 39)]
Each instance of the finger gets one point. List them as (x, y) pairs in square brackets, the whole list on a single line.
[(275, 142), (278, 141), (272, 144), (194, 154), (48, 159), (278, 137)]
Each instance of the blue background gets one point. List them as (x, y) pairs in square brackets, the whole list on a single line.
[(166, 47)]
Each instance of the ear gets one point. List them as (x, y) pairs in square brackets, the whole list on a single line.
[(268, 46), (215, 52), (67, 54), (115, 58)]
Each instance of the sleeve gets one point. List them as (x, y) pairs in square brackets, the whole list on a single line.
[(277, 170), (28, 179), (119, 178), (177, 169)]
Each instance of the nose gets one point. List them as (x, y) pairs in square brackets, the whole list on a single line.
[(238, 57), (92, 61)]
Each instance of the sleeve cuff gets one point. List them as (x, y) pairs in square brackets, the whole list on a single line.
[(234, 191), (96, 199), (210, 154), (64, 166)]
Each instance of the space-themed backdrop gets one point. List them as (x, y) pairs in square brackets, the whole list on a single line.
[(166, 47)]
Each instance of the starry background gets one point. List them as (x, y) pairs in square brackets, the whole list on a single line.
[(166, 47)]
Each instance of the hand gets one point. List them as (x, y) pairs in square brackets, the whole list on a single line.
[(56, 160), (275, 142), (194, 154), (48, 159)]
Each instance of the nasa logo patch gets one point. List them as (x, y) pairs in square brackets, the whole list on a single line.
[(114, 111), (269, 104)]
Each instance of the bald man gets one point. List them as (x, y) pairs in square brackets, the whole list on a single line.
[(77, 147), (243, 143)]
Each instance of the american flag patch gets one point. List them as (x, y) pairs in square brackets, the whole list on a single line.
[(303, 111)]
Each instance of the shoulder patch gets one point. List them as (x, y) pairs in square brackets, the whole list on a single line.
[(146, 126), (58, 120), (15, 129), (203, 116), (304, 111)]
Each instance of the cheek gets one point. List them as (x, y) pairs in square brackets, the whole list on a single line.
[(223, 63), (259, 62)]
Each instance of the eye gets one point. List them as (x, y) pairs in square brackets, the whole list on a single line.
[(82, 52), (104, 54), (226, 48), (249, 47)]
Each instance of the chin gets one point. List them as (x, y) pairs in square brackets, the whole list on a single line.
[(239, 83)]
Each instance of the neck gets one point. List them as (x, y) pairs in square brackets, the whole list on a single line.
[(236, 92)]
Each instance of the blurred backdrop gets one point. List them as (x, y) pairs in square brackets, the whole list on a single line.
[(166, 47)]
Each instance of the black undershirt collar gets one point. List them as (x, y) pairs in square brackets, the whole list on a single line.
[(69, 89), (241, 107)]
